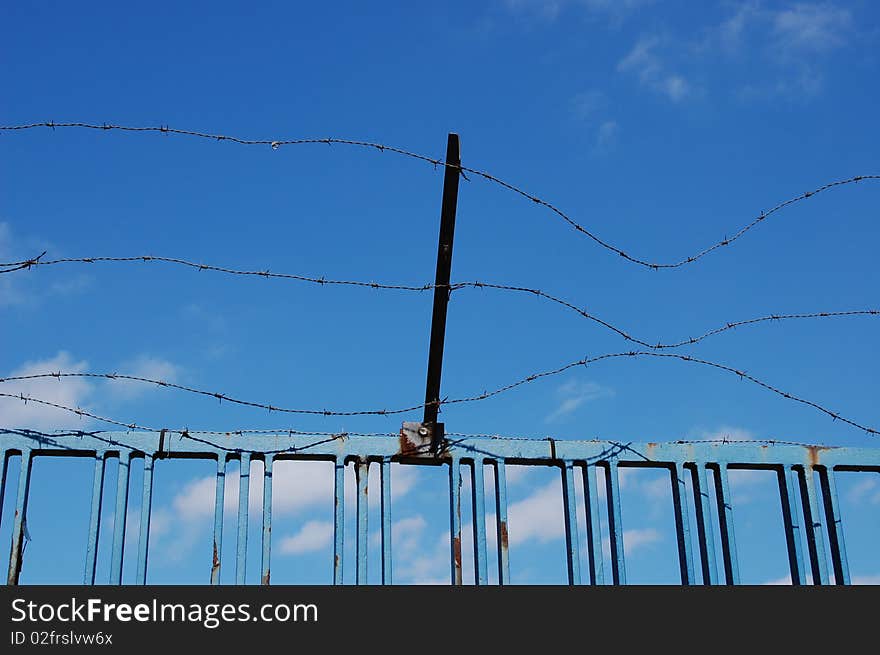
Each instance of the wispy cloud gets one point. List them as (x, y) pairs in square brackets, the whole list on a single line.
[(639, 538), (810, 28), (652, 71), (723, 433), (143, 366), (856, 580), (791, 43), (538, 517), (297, 489), (550, 10), (16, 289), (574, 394), (606, 135), (591, 108), (312, 536), (587, 105), (70, 392), (866, 490), (11, 290)]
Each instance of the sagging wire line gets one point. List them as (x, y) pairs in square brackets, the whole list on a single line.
[(37, 261), (328, 437), (192, 435), (275, 144), (439, 403), (189, 435)]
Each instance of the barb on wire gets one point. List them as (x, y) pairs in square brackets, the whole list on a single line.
[(275, 144), (208, 267), (36, 261), (446, 401), (9, 267), (325, 437)]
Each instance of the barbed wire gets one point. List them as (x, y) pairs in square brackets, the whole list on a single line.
[(439, 403), (329, 437), (37, 261), (275, 144), (326, 437), (8, 267)]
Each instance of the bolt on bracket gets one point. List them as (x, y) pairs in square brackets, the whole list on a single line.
[(420, 439)]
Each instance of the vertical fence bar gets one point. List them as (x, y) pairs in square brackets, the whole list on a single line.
[(481, 560), (119, 517), (501, 522), (835, 527), (615, 526), (338, 518), (725, 520), (362, 472), (572, 538), (94, 520), (705, 527), (792, 525), (455, 518), (19, 525), (385, 510), (4, 467), (244, 486), (813, 524), (682, 524), (266, 561), (219, 499), (144, 532), (594, 527)]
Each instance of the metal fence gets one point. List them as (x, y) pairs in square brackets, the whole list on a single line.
[(805, 474)]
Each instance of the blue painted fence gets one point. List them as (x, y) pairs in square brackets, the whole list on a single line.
[(806, 480)]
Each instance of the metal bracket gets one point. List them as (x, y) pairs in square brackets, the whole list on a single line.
[(420, 439)]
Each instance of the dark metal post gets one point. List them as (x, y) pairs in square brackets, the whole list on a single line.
[(441, 289)]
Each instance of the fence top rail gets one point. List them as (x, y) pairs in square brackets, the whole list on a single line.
[(343, 447)]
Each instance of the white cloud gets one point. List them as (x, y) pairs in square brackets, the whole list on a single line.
[(866, 490), (417, 558), (297, 488), (588, 104), (659, 488), (516, 474), (10, 292), (634, 540), (638, 538), (606, 135), (16, 288), (866, 579), (143, 366), (573, 394), (732, 31), (724, 433), (72, 392), (537, 517), (790, 42), (403, 479), (312, 536), (549, 10), (644, 62), (69, 392), (811, 28), (856, 580)]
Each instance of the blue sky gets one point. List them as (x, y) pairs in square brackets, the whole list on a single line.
[(662, 127)]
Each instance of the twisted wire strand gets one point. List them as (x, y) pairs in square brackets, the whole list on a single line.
[(439, 403), (8, 267), (275, 144)]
